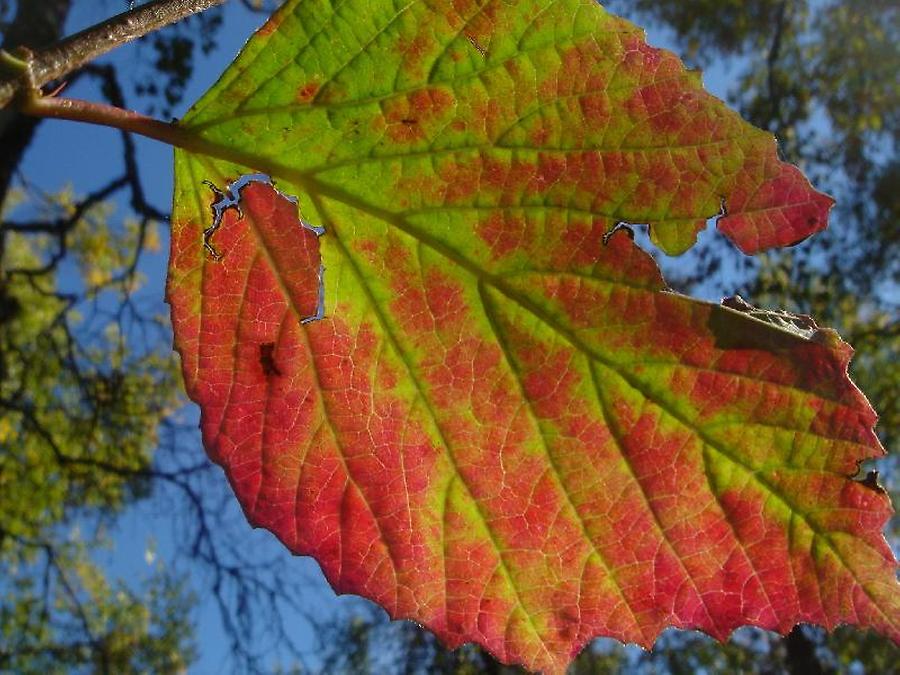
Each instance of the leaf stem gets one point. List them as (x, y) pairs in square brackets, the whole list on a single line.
[(171, 133), (73, 52), (78, 110)]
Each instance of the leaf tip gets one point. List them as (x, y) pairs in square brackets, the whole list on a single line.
[(784, 210)]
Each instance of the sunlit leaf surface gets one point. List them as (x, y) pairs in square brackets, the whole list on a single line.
[(504, 427)]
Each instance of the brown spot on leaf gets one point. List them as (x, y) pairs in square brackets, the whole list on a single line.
[(267, 359), (306, 92), (409, 118)]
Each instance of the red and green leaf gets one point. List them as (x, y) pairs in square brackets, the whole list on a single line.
[(505, 427)]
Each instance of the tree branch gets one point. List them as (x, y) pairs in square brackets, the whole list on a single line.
[(73, 52), (774, 54)]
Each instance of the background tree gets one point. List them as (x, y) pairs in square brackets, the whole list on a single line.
[(90, 404), (91, 408)]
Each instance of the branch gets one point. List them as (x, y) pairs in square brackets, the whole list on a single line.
[(75, 51), (772, 62)]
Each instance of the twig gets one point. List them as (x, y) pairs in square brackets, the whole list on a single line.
[(70, 54)]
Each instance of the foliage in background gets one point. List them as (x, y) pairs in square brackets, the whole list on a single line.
[(163, 70), (91, 420), (81, 406)]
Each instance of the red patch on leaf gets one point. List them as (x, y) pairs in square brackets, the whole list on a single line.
[(782, 211), (307, 92), (503, 233), (413, 117)]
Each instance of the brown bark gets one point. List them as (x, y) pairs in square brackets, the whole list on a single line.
[(68, 55), (36, 25)]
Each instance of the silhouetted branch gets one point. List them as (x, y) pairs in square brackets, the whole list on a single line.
[(112, 91), (68, 55), (772, 63)]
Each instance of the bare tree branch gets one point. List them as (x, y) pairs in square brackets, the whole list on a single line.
[(39, 25), (775, 94), (70, 54)]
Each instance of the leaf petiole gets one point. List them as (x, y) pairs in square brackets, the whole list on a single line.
[(77, 110)]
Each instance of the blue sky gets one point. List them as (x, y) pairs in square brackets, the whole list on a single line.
[(83, 157)]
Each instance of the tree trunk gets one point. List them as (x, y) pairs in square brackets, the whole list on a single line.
[(37, 23), (801, 654)]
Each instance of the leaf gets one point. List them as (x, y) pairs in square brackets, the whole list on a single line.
[(505, 427)]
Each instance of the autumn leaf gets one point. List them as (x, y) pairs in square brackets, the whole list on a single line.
[(505, 427)]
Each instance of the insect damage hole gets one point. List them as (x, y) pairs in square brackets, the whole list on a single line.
[(267, 359), (618, 227), (230, 198)]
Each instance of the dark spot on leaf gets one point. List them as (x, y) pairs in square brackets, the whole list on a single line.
[(799, 324), (267, 359), (307, 92), (755, 332)]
